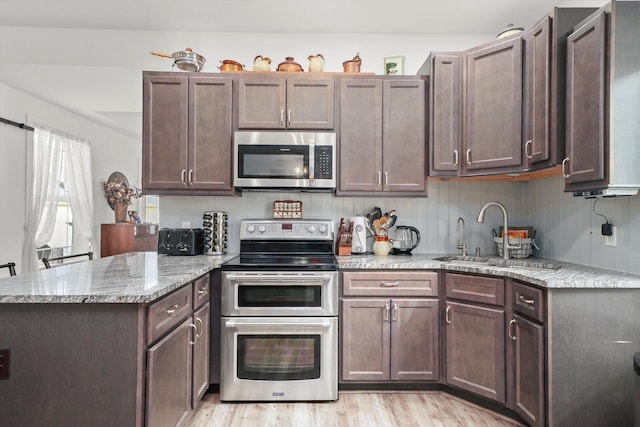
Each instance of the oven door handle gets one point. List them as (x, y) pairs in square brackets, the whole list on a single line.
[(277, 277), (232, 323)]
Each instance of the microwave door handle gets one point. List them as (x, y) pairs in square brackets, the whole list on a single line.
[(312, 164)]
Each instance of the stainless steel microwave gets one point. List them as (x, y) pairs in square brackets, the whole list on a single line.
[(285, 160)]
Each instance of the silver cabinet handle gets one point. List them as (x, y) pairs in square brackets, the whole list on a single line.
[(289, 117), (281, 117), (202, 290), (511, 323), (468, 156), (195, 333), (389, 284), (199, 320), (183, 176), (386, 178), (527, 152), (379, 178), (564, 171), (446, 315), (386, 311), (190, 176), (455, 157), (528, 301), (171, 311), (394, 313)]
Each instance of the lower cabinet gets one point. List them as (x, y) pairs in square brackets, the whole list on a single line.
[(389, 327), (476, 349), (527, 334), (389, 339), (178, 354)]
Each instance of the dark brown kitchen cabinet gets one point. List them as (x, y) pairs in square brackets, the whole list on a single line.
[(200, 382), (279, 101), (187, 129), (493, 107), (445, 126), (586, 97), (392, 338), (546, 60), (382, 147), (526, 333), (475, 335), (389, 339)]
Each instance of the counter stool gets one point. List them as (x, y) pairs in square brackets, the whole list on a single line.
[(11, 266), (47, 261)]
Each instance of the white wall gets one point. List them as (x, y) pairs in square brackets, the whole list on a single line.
[(110, 151)]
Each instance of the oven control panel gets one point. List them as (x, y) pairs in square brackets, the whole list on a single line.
[(286, 229)]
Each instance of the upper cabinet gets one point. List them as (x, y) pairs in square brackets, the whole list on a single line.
[(545, 76), (500, 107), (493, 106), (382, 145), (187, 130), (603, 59), (291, 101)]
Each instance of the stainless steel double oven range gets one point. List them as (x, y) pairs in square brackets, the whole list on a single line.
[(279, 306)]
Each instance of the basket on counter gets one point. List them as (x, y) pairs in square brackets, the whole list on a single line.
[(526, 246)]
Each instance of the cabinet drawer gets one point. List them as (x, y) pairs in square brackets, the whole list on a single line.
[(201, 291), (163, 315), (528, 301), (488, 290), (407, 283)]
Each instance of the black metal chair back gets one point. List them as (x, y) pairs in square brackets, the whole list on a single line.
[(47, 261), (11, 266)]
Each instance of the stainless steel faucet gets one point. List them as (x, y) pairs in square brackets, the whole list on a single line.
[(461, 244), (505, 227)]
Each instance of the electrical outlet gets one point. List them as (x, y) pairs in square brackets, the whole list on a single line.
[(4, 363), (613, 239), (186, 224)]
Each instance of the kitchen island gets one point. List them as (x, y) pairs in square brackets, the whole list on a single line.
[(84, 337)]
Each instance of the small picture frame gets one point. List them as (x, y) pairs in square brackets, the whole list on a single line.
[(394, 65)]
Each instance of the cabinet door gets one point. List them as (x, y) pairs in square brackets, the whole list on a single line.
[(529, 371), (169, 378), (262, 102), (404, 144), (365, 339), (165, 132), (538, 145), (310, 103), (586, 90), (360, 148), (475, 358), (446, 114), (201, 319), (493, 106), (414, 339), (210, 142)]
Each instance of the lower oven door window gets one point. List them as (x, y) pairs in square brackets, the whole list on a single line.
[(279, 296), (278, 357)]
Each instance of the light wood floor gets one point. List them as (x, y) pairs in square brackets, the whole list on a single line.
[(353, 409)]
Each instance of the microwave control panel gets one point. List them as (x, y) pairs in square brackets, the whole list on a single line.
[(323, 162)]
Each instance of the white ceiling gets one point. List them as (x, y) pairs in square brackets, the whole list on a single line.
[(98, 80)]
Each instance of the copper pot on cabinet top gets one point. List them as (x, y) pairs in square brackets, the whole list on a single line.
[(229, 65), (289, 65), (352, 65)]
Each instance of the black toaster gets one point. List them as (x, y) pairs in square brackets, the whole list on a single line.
[(180, 241)]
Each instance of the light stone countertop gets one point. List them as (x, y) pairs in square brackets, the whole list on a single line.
[(132, 278), (143, 277)]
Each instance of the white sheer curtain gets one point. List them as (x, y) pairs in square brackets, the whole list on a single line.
[(48, 146), (78, 172)]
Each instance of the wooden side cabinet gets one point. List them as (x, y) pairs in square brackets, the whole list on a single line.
[(124, 237)]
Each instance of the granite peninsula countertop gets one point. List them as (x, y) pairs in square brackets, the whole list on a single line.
[(143, 277), (131, 278)]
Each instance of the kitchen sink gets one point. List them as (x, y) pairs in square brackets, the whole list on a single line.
[(498, 262)]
